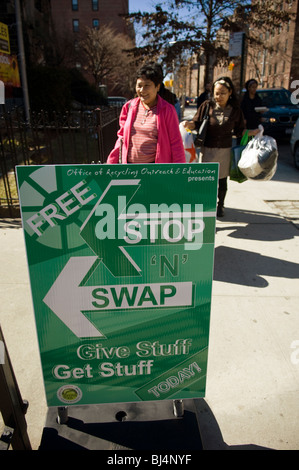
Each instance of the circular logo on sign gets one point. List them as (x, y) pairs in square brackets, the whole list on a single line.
[(41, 190), (69, 394)]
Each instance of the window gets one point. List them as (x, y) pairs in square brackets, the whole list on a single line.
[(95, 24), (75, 5), (75, 26), (95, 5)]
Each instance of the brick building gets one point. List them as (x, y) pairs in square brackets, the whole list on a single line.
[(69, 16), (275, 62), (52, 29)]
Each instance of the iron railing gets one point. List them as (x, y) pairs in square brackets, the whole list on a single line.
[(51, 138)]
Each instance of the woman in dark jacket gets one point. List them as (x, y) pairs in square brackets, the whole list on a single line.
[(225, 120), (251, 101)]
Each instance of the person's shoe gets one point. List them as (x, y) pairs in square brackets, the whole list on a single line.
[(220, 211)]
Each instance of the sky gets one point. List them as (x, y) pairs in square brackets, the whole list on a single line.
[(142, 5), (149, 5)]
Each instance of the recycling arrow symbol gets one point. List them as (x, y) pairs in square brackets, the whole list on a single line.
[(69, 296)]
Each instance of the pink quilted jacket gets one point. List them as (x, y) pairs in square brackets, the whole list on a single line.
[(170, 147)]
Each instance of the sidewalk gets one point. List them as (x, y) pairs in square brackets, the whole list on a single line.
[(253, 384), (253, 372)]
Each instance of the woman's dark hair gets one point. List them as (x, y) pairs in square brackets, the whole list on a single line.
[(226, 81), (152, 71), (250, 82)]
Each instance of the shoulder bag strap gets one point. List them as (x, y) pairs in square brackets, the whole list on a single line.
[(207, 111), (122, 141)]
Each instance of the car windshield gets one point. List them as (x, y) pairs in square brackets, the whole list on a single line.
[(116, 100), (275, 98)]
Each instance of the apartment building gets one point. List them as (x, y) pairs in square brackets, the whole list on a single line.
[(52, 29), (70, 16), (274, 62)]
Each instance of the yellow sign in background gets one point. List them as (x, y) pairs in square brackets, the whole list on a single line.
[(4, 39), (9, 70)]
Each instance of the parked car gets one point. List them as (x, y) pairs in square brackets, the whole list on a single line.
[(116, 101), (189, 100), (295, 144), (281, 114)]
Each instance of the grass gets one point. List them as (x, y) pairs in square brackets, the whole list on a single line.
[(10, 182)]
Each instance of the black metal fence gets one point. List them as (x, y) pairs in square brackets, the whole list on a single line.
[(51, 138)]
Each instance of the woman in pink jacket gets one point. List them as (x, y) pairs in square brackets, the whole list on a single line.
[(149, 127)]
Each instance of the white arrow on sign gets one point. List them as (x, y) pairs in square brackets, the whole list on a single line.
[(67, 298)]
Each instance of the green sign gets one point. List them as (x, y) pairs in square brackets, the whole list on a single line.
[(120, 261)]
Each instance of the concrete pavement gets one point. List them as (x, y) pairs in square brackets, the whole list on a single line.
[(253, 371)]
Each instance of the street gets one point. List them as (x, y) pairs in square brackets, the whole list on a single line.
[(189, 112)]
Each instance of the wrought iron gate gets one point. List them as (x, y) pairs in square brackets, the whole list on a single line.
[(72, 137)]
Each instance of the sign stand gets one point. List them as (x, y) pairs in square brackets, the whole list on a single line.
[(62, 412), (12, 407), (153, 426)]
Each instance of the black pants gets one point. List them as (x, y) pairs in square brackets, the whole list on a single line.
[(222, 189)]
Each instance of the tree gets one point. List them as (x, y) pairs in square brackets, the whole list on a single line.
[(211, 14), (104, 55), (167, 37), (170, 37)]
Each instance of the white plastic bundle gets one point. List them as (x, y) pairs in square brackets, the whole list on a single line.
[(188, 142), (259, 158)]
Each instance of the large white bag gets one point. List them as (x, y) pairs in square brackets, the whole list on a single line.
[(188, 142), (259, 158)]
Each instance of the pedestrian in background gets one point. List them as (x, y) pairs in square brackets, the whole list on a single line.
[(205, 95), (225, 120), (149, 126), (249, 102)]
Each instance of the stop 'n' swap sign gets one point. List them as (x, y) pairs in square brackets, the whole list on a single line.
[(120, 262)]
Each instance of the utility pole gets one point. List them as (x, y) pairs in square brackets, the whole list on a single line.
[(22, 60), (242, 63)]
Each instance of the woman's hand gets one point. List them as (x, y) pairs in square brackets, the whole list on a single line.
[(189, 125), (253, 132)]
